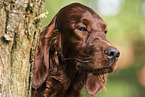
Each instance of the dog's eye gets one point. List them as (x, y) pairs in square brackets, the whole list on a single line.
[(105, 32), (83, 29)]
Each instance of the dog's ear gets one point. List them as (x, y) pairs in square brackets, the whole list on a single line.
[(95, 83), (42, 57)]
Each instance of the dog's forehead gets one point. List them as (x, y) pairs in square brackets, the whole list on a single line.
[(68, 16), (93, 19)]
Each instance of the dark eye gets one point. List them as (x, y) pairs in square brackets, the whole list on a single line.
[(83, 29), (105, 32)]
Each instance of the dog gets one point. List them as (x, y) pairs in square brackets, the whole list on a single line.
[(72, 52)]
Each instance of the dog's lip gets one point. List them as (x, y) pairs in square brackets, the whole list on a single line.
[(103, 70), (106, 69), (99, 70)]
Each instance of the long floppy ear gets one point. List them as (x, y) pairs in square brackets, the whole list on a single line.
[(42, 63), (95, 83)]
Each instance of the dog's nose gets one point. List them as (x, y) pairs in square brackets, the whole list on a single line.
[(112, 54)]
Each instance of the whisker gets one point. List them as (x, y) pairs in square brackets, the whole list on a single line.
[(82, 56), (83, 61)]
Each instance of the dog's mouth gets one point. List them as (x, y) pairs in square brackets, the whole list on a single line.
[(96, 71), (89, 67), (86, 65)]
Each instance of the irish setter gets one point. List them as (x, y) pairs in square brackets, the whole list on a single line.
[(73, 51)]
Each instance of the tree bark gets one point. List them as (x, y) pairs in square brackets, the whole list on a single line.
[(19, 30)]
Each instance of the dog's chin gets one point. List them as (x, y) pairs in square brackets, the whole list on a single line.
[(98, 69), (103, 70)]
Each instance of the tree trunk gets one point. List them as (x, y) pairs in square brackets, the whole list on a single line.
[(20, 22)]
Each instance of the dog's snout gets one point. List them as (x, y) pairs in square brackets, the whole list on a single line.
[(112, 54)]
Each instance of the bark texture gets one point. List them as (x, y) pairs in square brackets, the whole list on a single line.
[(19, 29)]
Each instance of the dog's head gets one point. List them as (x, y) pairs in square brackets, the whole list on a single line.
[(83, 35)]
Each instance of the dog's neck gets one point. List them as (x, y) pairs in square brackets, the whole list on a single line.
[(74, 80)]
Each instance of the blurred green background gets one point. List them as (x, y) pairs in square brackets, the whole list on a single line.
[(126, 30)]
